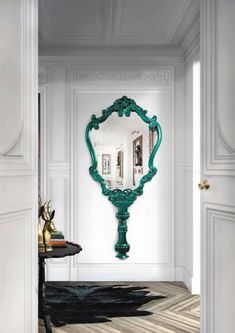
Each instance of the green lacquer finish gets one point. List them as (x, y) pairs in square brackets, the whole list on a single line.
[(123, 199)]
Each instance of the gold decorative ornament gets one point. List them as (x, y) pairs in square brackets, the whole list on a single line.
[(44, 234), (41, 247)]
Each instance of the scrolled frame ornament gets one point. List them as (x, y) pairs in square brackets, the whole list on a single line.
[(123, 199)]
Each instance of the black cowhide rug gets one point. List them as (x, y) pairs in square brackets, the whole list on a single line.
[(72, 303)]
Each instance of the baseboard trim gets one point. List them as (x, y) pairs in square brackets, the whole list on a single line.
[(122, 272), (181, 274), (125, 273), (112, 272), (195, 285), (187, 278)]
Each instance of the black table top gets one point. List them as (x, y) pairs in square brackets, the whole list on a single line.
[(60, 252)]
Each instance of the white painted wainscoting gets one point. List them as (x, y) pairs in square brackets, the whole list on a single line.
[(18, 166), (70, 94), (218, 166)]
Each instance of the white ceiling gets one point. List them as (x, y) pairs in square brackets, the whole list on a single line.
[(73, 23)]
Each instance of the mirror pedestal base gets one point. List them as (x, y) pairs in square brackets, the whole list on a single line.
[(122, 256), (122, 247)]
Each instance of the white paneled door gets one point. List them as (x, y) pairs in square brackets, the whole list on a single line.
[(218, 165), (18, 166)]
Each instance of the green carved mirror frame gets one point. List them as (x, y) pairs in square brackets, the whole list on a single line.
[(123, 199)]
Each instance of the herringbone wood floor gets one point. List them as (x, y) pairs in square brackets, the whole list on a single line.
[(179, 312)]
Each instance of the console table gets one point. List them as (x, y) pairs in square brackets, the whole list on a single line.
[(58, 252)]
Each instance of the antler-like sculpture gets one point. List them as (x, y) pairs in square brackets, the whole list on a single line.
[(47, 215), (44, 235), (41, 247)]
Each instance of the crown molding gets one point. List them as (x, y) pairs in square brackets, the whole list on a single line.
[(116, 54), (104, 62), (192, 34), (182, 22), (191, 15), (47, 30)]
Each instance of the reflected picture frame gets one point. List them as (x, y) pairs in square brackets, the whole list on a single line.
[(120, 161), (137, 147), (138, 151), (106, 164)]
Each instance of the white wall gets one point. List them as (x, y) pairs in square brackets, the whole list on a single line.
[(70, 94), (179, 170), (192, 174), (149, 237)]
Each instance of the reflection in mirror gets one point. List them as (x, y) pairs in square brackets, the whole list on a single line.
[(123, 147)]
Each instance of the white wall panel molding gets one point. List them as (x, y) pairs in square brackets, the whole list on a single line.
[(158, 77), (219, 144), (11, 106), (21, 243), (187, 168), (59, 193), (43, 91), (18, 166), (58, 272), (123, 272), (62, 178), (112, 272), (58, 167), (16, 154), (228, 151), (218, 239), (62, 262), (46, 166), (164, 267), (58, 115), (79, 260), (55, 173), (42, 74), (105, 86)]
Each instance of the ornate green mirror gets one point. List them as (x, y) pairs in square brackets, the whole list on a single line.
[(122, 143)]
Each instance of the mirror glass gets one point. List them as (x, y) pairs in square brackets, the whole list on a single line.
[(123, 146)]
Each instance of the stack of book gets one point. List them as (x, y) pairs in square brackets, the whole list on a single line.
[(57, 239)]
